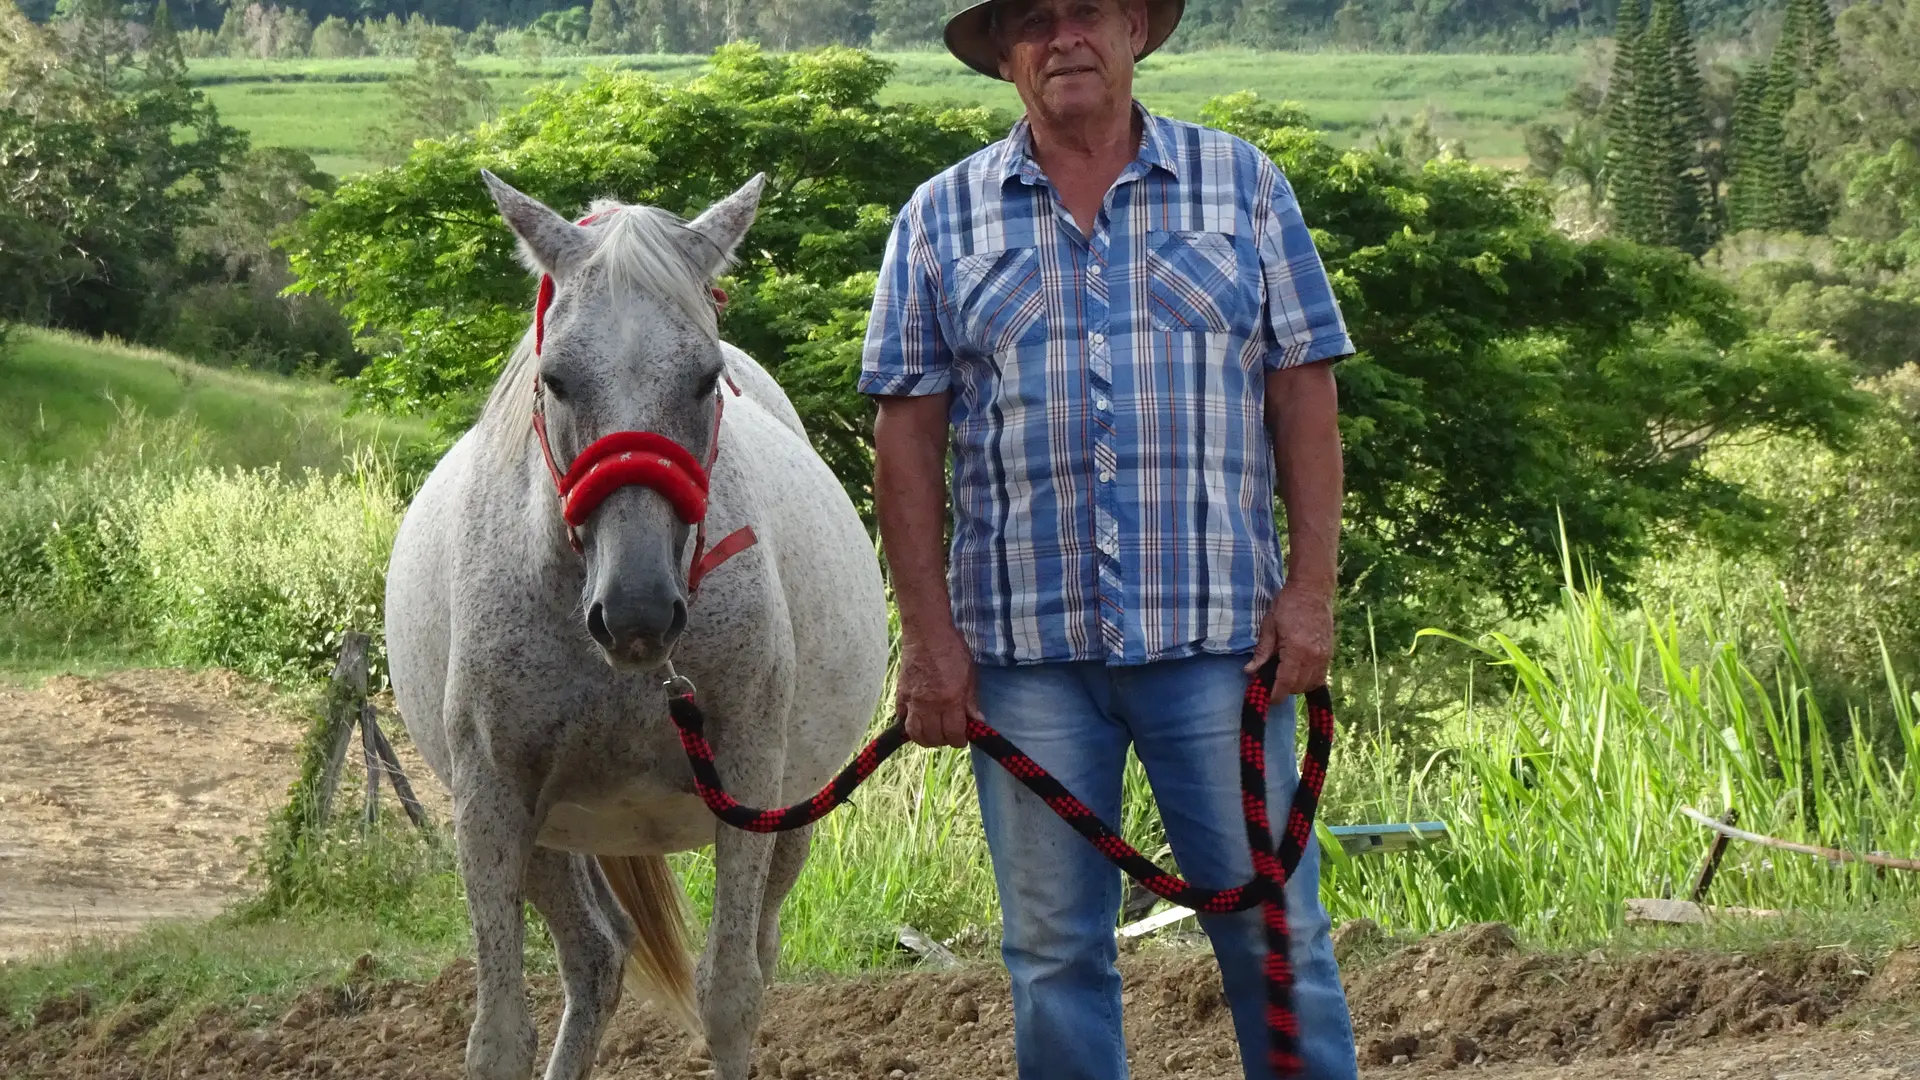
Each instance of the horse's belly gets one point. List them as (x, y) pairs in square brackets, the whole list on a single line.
[(630, 822)]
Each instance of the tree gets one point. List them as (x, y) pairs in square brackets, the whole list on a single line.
[(1859, 123), (436, 99), (165, 59), (604, 28), (1657, 134), (1768, 183)]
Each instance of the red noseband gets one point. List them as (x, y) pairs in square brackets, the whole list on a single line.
[(635, 458)]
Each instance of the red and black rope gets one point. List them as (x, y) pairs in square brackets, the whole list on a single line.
[(1273, 863)]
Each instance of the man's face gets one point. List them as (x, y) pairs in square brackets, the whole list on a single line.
[(1071, 59)]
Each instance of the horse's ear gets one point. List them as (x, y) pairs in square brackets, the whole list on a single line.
[(724, 224), (549, 243)]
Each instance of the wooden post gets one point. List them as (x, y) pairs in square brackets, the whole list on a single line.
[(1711, 866), (370, 754), (390, 763), (346, 692)]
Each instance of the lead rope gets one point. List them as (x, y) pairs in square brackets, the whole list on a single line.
[(1272, 865)]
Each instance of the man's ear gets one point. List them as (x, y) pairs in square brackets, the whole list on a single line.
[(1138, 24)]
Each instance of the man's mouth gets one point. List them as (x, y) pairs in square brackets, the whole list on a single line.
[(1072, 69)]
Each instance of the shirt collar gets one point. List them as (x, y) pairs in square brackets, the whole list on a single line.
[(1017, 159)]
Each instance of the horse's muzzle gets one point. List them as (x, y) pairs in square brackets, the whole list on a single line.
[(637, 631)]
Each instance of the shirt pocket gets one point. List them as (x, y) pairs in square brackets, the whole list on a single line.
[(1195, 283), (998, 302)]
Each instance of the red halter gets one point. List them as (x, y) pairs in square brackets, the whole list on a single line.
[(643, 458)]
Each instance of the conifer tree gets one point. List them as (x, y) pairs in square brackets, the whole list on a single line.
[(165, 58), (1768, 188), (1657, 133)]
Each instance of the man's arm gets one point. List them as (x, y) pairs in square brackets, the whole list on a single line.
[(935, 692), (1302, 415)]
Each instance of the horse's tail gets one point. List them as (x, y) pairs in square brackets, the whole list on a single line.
[(660, 966)]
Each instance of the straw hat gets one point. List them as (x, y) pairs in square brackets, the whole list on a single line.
[(970, 37)]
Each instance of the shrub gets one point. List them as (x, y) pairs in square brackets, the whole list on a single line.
[(337, 38), (262, 573)]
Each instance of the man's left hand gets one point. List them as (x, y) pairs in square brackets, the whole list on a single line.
[(1298, 629)]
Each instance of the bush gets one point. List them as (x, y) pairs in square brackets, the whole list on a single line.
[(336, 38), (262, 573)]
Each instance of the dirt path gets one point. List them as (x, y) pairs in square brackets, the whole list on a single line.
[(126, 798)]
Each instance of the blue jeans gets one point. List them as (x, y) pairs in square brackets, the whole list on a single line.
[(1060, 898)]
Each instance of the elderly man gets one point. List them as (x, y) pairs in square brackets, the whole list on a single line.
[(1123, 326)]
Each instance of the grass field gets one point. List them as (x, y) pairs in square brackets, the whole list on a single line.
[(328, 107), (66, 394)]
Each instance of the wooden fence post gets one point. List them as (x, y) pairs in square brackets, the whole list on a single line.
[(346, 692)]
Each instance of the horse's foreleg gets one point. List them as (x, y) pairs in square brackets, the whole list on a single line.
[(591, 940), (729, 978), (495, 832), (789, 855)]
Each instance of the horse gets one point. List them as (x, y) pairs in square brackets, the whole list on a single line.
[(530, 654)]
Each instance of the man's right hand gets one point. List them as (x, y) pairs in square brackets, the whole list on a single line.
[(935, 692)]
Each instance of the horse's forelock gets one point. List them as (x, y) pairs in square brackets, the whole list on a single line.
[(639, 249)]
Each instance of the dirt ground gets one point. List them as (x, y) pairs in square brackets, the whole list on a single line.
[(125, 798), (128, 797)]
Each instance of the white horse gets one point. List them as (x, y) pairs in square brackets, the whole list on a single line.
[(530, 672)]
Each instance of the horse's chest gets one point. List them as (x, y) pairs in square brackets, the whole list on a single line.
[(641, 817)]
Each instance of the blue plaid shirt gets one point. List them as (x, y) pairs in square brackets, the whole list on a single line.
[(1113, 484)]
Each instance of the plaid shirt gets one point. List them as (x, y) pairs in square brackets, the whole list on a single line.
[(1113, 481)]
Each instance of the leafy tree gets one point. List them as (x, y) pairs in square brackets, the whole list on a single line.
[(335, 37), (1860, 124), (102, 165), (605, 27)]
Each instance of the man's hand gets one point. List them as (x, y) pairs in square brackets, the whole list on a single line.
[(935, 692), (1298, 629)]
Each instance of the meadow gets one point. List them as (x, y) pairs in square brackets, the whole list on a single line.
[(326, 108)]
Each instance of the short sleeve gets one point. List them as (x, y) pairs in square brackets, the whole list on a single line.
[(905, 354), (1301, 313)]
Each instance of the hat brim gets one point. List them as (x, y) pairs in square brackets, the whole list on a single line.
[(970, 38)]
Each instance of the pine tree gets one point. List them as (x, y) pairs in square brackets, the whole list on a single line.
[(1768, 188), (165, 58), (604, 27), (1657, 133)]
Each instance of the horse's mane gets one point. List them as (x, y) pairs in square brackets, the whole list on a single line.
[(639, 249)]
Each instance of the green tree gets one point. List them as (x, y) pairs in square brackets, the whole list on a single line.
[(1859, 122), (1768, 187), (605, 28), (438, 98), (1658, 182)]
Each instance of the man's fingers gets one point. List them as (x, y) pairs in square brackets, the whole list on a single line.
[(1262, 650)]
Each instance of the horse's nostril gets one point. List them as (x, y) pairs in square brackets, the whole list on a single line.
[(679, 620), (597, 626)]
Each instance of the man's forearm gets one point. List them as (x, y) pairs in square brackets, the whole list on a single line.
[(910, 499), (1303, 419)]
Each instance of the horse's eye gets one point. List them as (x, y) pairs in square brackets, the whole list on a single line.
[(710, 385), (555, 388)]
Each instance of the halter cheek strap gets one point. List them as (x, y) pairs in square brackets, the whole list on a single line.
[(638, 458)]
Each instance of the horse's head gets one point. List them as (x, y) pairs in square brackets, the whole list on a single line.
[(626, 341)]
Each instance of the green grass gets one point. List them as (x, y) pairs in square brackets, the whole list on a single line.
[(65, 394), (327, 107)]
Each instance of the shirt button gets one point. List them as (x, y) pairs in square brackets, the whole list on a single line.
[(1094, 269), (1100, 403), (1097, 337), (1106, 547), (1106, 477)]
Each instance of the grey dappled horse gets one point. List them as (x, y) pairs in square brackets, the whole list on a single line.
[(530, 675)]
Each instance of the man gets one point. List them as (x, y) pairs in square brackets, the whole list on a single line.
[(1125, 326)]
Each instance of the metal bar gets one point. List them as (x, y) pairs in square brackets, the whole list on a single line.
[(1829, 854)]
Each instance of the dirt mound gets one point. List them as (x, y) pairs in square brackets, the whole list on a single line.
[(1458, 1000), (1473, 993)]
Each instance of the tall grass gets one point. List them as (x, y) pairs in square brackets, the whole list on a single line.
[(1563, 799)]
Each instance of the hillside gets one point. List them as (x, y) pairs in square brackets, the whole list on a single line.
[(68, 398)]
